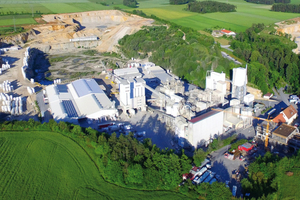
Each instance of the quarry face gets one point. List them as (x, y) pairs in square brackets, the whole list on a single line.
[(108, 26)]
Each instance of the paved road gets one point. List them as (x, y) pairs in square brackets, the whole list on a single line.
[(226, 47), (225, 55)]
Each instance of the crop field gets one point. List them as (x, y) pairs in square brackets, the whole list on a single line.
[(47, 165), (22, 12), (246, 15)]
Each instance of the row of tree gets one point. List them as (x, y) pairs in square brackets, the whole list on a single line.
[(130, 3), (272, 62), (268, 2), (178, 2), (127, 162), (210, 7), (292, 8)]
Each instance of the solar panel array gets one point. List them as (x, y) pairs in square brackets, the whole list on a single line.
[(69, 108), (62, 88)]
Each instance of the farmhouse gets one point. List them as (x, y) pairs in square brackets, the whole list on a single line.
[(227, 32)]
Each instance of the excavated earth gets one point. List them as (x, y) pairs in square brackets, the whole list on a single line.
[(54, 36)]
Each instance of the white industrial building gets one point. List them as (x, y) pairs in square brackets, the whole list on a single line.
[(126, 73), (80, 99), (216, 81), (204, 127), (132, 94)]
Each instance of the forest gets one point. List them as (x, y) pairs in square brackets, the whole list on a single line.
[(130, 3), (272, 177), (291, 8), (268, 2), (271, 60), (129, 163), (210, 7), (179, 2)]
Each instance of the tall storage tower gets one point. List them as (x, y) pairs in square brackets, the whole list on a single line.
[(239, 82)]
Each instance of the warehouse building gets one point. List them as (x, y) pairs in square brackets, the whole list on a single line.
[(82, 98)]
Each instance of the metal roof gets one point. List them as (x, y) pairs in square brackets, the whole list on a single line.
[(284, 130), (80, 98), (205, 115), (86, 86), (126, 71)]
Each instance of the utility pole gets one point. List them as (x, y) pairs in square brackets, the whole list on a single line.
[(14, 23)]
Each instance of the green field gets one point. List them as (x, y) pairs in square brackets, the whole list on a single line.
[(24, 10), (47, 165), (246, 15)]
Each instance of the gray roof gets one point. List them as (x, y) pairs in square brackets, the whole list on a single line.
[(86, 86)]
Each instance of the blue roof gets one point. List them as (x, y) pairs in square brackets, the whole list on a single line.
[(86, 86)]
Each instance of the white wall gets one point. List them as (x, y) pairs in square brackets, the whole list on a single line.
[(205, 129), (139, 98)]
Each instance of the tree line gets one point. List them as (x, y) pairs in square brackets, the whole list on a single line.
[(210, 7), (127, 162), (272, 62), (130, 3), (292, 8), (178, 2), (269, 2)]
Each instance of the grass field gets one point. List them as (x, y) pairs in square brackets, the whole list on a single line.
[(289, 186), (24, 10), (47, 165), (246, 15)]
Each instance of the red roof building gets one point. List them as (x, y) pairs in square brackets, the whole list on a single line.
[(227, 32), (288, 115), (245, 147)]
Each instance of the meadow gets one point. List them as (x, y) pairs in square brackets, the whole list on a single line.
[(48, 165), (246, 15)]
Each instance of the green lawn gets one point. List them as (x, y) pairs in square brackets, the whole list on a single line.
[(47, 165)]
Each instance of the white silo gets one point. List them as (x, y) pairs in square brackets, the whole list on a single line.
[(239, 81)]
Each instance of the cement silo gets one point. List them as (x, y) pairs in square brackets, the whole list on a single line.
[(239, 82)]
